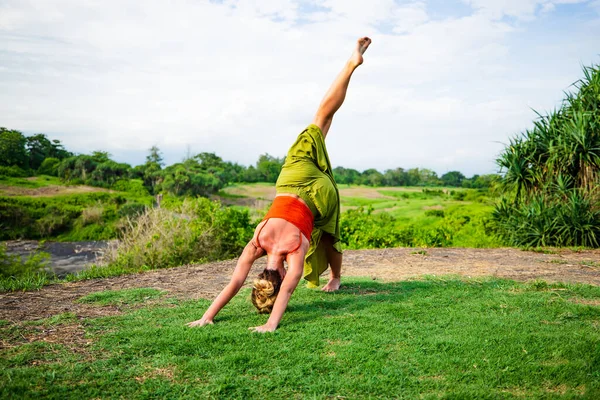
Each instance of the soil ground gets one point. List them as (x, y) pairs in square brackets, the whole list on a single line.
[(206, 280), (48, 191)]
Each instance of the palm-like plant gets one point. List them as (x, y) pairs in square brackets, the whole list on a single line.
[(554, 172)]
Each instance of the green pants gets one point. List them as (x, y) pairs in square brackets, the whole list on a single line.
[(307, 173)]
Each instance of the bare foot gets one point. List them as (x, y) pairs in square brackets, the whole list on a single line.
[(357, 56), (332, 285)]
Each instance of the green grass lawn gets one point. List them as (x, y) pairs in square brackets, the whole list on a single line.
[(436, 338), (31, 182)]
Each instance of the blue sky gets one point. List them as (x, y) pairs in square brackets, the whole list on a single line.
[(443, 85)]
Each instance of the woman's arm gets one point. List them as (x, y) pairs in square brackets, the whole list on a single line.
[(249, 255), (294, 274)]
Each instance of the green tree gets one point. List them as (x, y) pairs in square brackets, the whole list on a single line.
[(108, 172), (346, 175), (49, 166), (151, 171), (13, 151), (372, 177), (269, 167), (100, 156), (155, 156), (452, 178), (395, 177), (40, 147)]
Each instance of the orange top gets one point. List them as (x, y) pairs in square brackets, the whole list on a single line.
[(293, 211)]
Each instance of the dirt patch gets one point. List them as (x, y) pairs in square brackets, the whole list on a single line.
[(207, 280), (71, 336), (266, 192), (587, 302), (365, 193), (48, 191)]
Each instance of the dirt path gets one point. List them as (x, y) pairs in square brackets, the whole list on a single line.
[(205, 281)]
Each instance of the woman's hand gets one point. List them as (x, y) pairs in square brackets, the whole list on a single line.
[(200, 322), (263, 328)]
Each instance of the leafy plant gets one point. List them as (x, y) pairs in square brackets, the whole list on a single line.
[(196, 230), (552, 175)]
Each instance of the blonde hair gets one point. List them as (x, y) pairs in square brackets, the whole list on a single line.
[(265, 290)]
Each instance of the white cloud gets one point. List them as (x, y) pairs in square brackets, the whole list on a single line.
[(242, 78), (522, 9)]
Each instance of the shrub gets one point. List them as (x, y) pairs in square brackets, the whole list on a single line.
[(131, 209), (361, 228), (198, 230), (51, 224), (13, 171), (435, 213), (91, 215), (14, 266), (552, 175), (133, 186), (459, 196), (49, 167)]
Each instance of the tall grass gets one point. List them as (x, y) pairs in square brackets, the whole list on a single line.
[(196, 231), (18, 273)]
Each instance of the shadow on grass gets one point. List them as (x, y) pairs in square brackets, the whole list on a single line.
[(359, 295)]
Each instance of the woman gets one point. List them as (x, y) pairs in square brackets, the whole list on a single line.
[(302, 225)]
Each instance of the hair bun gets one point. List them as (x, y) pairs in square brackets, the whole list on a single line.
[(265, 290), (264, 287)]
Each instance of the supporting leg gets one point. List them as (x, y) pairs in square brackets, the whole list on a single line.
[(337, 92), (334, 259)]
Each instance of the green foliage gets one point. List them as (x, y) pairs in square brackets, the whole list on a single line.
[(14, 265), (31, 182), (458, 225), (196, 230), (548, 221), (412, 177), (268, 167), (437, 338), (360, 229), (40, 148), (121, 297), (17, 273), (89, 216), (186, 179), (13, 171), (435, 213), (12, 149), (132, 209), (552, 175), (133, 186), (452, 178), (49, 167), (26, 281), (95, 170)]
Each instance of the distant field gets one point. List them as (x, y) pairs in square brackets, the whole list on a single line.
[(401, 202), (42, 186), (395, 216)]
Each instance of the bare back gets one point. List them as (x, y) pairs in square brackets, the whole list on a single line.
[(278, 237)]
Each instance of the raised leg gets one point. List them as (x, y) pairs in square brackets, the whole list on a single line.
[(337, 92)]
